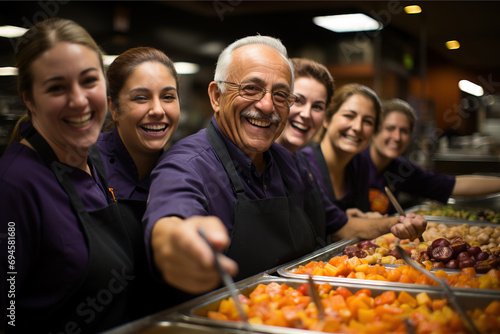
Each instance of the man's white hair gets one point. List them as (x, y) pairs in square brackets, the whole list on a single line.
[(226, 57)]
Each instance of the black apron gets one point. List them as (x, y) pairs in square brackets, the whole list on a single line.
[(100, 300), (266, 232), (149, 294), (313, 205)]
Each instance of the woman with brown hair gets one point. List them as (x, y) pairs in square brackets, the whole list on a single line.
[(387, 167), (350, 121), (72, 262), (143, 100), (314, 108)]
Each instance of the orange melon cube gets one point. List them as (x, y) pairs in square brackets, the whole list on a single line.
[(423, 299), (387, 297), (353, 262), (318, 271), (393, 275), (216, 316), (365, 316), (330, 270), (438, 304), (360, 275), (405, 298), (343, 269), (362, 268), (493, 308)]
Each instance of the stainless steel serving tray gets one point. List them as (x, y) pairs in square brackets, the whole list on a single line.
[(196, 313), (449, 220), (491, 201), (327, 253), (171, 327)]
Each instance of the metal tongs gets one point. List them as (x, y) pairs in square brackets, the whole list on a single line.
[(317, 301), (227, 279), (398, 207), (452, 298), (395, 202)]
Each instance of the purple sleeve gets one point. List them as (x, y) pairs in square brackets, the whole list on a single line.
[(335, 217), (411, 178), (19, 220), (176, 190)]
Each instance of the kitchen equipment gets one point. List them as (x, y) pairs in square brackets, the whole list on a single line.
[(313, 291), (395, 202), (226, 279)]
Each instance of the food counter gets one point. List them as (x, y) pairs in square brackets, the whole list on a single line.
[(460, 162), (422, 301)]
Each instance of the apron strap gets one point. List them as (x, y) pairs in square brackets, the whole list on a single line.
[(94, 156), (323, 167), (59, 169), (221, 150), (223, 154)]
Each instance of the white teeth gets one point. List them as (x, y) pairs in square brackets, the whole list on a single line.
[(258, 123), (353, 138), (154, 128), (299, 126), (80, 121)]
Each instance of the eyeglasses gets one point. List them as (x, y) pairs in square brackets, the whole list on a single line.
[(253, 92)]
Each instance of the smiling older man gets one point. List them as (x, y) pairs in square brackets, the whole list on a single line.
[(231, 179)]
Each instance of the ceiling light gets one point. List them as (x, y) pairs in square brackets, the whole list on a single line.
[(180, 67), (186, 68), (470, 87), (11, 31), (8, 71), (413, 9), (108, 59), (347, 22), (213, 48), (452, 45)]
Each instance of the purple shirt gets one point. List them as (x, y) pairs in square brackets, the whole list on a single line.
[(50, 249), (402, 175), (356, 177), (189, 180), (121, 172)]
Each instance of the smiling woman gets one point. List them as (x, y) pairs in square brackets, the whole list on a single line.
[(349, 124), (143, 100), (71, 243), (313, 88), (387, 166)]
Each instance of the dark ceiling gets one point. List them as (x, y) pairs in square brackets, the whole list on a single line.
[(197, 30)]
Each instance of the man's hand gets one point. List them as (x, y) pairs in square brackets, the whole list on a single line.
[(410, 227), (183, 257)]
